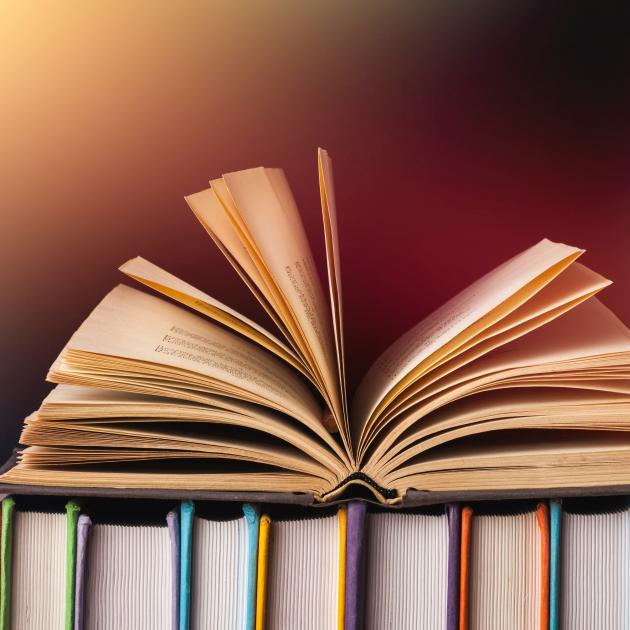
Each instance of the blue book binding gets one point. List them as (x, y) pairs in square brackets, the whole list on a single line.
[(252, 516), (185, 532), (555, 524)]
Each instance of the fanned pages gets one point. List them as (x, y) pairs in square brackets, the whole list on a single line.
[(521, 380), (167, 284), (333, 264)]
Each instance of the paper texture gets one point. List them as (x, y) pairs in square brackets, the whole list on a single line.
[(407, 571), (129, 577), (303, 574), (38, 576), (505, 572), (595, 570), (220, 563)]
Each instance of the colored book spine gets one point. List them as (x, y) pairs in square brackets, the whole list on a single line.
[(454, 515), (72, 517), (8, 506), (355, 565), (555, 516)]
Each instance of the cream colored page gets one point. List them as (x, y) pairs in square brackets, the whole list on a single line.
[(563, 293), (496, 449), (211, 214), (267, 208), (460, 312), (168, 284), (134, 325), (542, 408), (589, 330), (577, 340), (597, 398), (208, 209), (333, 263), (94, 405), (575, 282)]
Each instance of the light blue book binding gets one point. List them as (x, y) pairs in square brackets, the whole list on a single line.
[(187, 515), (252, 515), (555, 543)]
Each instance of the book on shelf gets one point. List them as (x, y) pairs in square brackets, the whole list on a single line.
[(219, 562), (520, 381), (101, 564), (592, 557), (127, 570), (504, 573)]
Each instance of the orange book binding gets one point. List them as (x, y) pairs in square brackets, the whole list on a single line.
[(464, 570), (542, 515)]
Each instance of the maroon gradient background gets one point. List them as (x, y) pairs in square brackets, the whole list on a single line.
[(461, 133)]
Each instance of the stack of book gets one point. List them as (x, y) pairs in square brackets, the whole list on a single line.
[(517, 388), (110, 564)]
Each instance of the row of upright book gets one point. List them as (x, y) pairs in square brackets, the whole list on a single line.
[(108, 564)]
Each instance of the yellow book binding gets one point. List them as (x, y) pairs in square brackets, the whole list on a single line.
[(341, 596), (261, 579)]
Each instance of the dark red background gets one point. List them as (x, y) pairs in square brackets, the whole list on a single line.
[(461, 133)]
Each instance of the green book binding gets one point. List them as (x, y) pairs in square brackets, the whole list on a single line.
[(72, 512), (72, 516), (8, 506)]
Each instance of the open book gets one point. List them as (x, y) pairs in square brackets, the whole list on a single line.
[(519, 381)]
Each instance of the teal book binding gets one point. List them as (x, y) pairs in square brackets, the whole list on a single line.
[(555, 525), (252, 518), (252, 515), (187, 515)]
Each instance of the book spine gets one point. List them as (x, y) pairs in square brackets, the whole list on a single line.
[(555, 526), (72, 518), (252, 517), (453, 512), (172, 522), (355, 565), (542, 516), (464, 567), (261, 576), (187, 514), (8, 506), (83, 532), (342, 516)]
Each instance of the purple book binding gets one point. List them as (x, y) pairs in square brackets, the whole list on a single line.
[(83, 531), (453, 512), (355, 565), (172, 521)]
